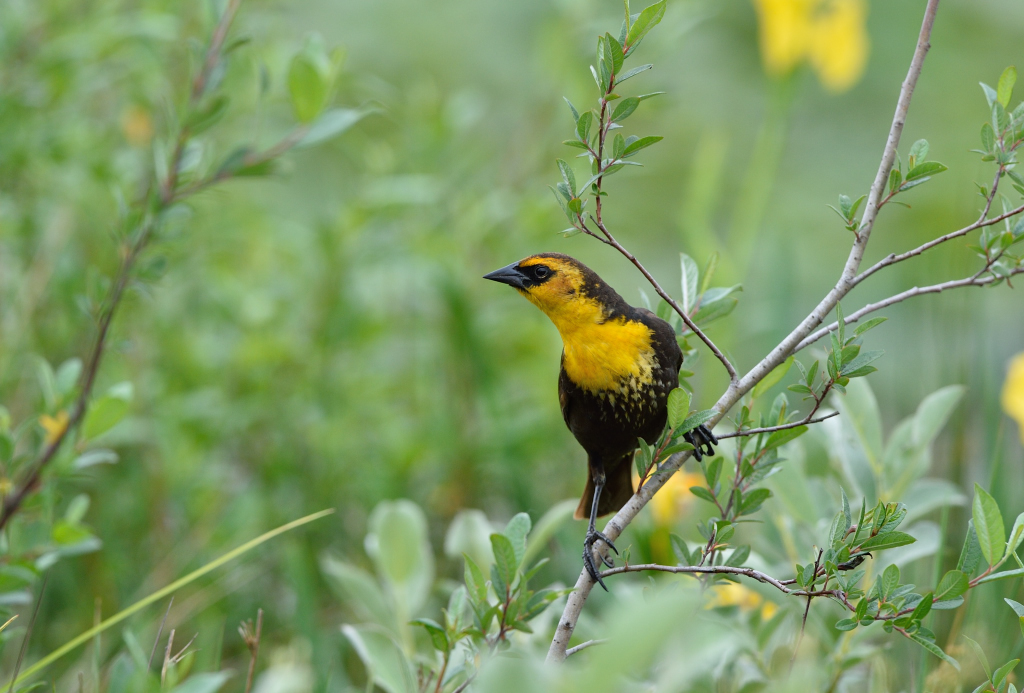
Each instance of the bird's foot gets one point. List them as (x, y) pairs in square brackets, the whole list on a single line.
[(702, 440), (588, 555)]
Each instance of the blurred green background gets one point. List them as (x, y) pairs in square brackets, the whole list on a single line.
[(323, 338)]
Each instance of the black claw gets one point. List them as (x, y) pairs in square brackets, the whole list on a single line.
[(588, 555), (703, 442)]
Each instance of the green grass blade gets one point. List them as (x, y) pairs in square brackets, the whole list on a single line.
[(165, 591)]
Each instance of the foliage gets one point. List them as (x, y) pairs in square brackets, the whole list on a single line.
[(309, 337)]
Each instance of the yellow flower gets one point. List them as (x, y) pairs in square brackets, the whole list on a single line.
[(1013, 392), (829, 34), (735, 594), (671, 500), (137, 126), (54, 425), (839, 48)]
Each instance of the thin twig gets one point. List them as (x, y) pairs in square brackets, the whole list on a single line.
[(982, 222), (252, 641), (28, 634), (973, 280), (13, 502), (807, 611), (737, 389), (771, 429), (781, 585), (584, 645), (167, 657), (604, 124), (159, 632)]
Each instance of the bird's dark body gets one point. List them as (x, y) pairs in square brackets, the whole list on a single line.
[(608, 424), (619, 364)]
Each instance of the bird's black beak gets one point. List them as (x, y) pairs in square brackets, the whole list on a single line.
[(508, 275)]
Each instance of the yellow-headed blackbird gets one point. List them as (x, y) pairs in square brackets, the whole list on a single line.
[(618, 365)]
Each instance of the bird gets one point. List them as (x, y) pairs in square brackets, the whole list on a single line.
[(619, 363)]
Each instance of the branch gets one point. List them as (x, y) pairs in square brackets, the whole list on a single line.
[(737, 388), (982, 222), (604, 125), (781, 585), (13, 502), (582, 646), (771, 429), (973, 280)]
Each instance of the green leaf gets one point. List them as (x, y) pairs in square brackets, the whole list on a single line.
[(208, 682), (1017, 607), (970, 555), (980, 654), (504, 559), (752, 501), (438, 635), (888, 540), (567, 175), (846, 624), (360, 590), (870, 324), (928, 168), (889, 581), (646, 21), (695, 420), (918, 153), (107, 411), (476, 583), (332, 123), (309, 81), (206, 117), (860, 362), (934, 649), (583, 124), (1000, 674), (779, 438), (516, 532), (398, 543), (688, 281), (1016, 535), (923, 607), (638, 144), (386, 664), (991, 95), (575, 113), (702, 493), (988, 138), (678, 406), (953, 584), (1004, 88), (773, 377), (614, 51), (631, 73), (623, 109), (988, 523), (680, 549)]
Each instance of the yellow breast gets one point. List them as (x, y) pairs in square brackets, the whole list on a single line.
[(606, 357)]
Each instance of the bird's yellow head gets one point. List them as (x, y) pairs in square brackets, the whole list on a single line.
[(602, 346), (564, 288)]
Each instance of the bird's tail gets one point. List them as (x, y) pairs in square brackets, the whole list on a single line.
[(618, 488)]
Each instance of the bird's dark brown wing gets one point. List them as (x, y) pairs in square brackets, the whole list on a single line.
[(564, 396)]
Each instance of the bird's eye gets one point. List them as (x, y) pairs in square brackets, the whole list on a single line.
[(541, 271)]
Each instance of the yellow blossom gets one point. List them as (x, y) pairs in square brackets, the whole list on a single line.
[(735, 594), (137, 126), (54, 425), (671, 500), (830, 35), (1013, 392)]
